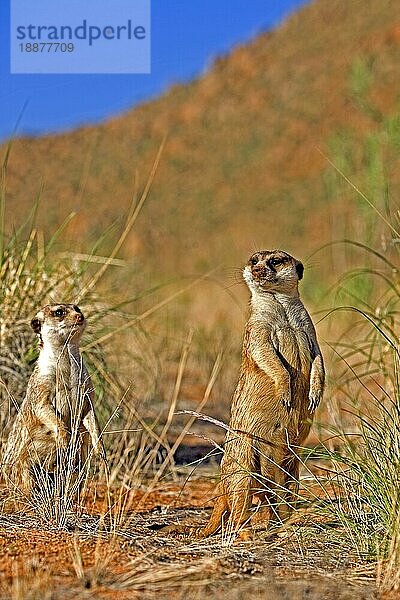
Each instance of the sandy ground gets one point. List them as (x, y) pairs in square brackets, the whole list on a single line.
[(126, 555)]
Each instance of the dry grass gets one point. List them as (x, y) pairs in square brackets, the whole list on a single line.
[(110, 544)]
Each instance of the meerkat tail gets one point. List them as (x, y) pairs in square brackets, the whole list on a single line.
[(214, 522)]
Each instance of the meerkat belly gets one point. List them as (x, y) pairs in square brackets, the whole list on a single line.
[(293, 347), (71, 404), (42, 448), (62, 404), (258, 406)]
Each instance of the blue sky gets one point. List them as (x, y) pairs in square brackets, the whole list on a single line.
[(186, 35)]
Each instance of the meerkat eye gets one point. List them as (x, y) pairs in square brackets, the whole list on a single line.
[(59, 312), (275, 262), (254, 260)]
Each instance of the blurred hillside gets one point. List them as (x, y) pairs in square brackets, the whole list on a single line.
[(241, 167)]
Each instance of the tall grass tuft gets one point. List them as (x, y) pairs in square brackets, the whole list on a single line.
[(365, 456)]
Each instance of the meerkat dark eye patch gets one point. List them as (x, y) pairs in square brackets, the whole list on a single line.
[(59, 312), (254, 260), (276, 262), (76, 309), (36, 325)]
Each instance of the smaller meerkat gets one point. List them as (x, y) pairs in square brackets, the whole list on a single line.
[(280, 385), (57, 413)]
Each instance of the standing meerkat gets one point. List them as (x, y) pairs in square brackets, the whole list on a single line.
[(57, 413), (280, 385)]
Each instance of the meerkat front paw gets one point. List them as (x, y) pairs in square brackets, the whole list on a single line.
[(314, 398), (61, 438), (99, 451), (286, 399)]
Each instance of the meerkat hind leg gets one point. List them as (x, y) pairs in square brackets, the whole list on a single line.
[(263, 513), (81, 464), (20, 483), (276, 504), (292, 482), (240, 496), (92, 426)]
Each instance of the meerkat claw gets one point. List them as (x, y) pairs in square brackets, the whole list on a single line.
[(287, 401), (314, 400)]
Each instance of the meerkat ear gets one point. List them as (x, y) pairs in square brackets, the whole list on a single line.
[(36, 325), (299, 270)]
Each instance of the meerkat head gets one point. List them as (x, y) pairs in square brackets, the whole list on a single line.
[(59, 324), (273, 271)]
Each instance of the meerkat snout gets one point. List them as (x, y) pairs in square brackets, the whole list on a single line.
[(79, 317), (259, 269)]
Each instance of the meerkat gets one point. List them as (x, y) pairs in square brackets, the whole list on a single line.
[(57, 416), (280, 385)]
